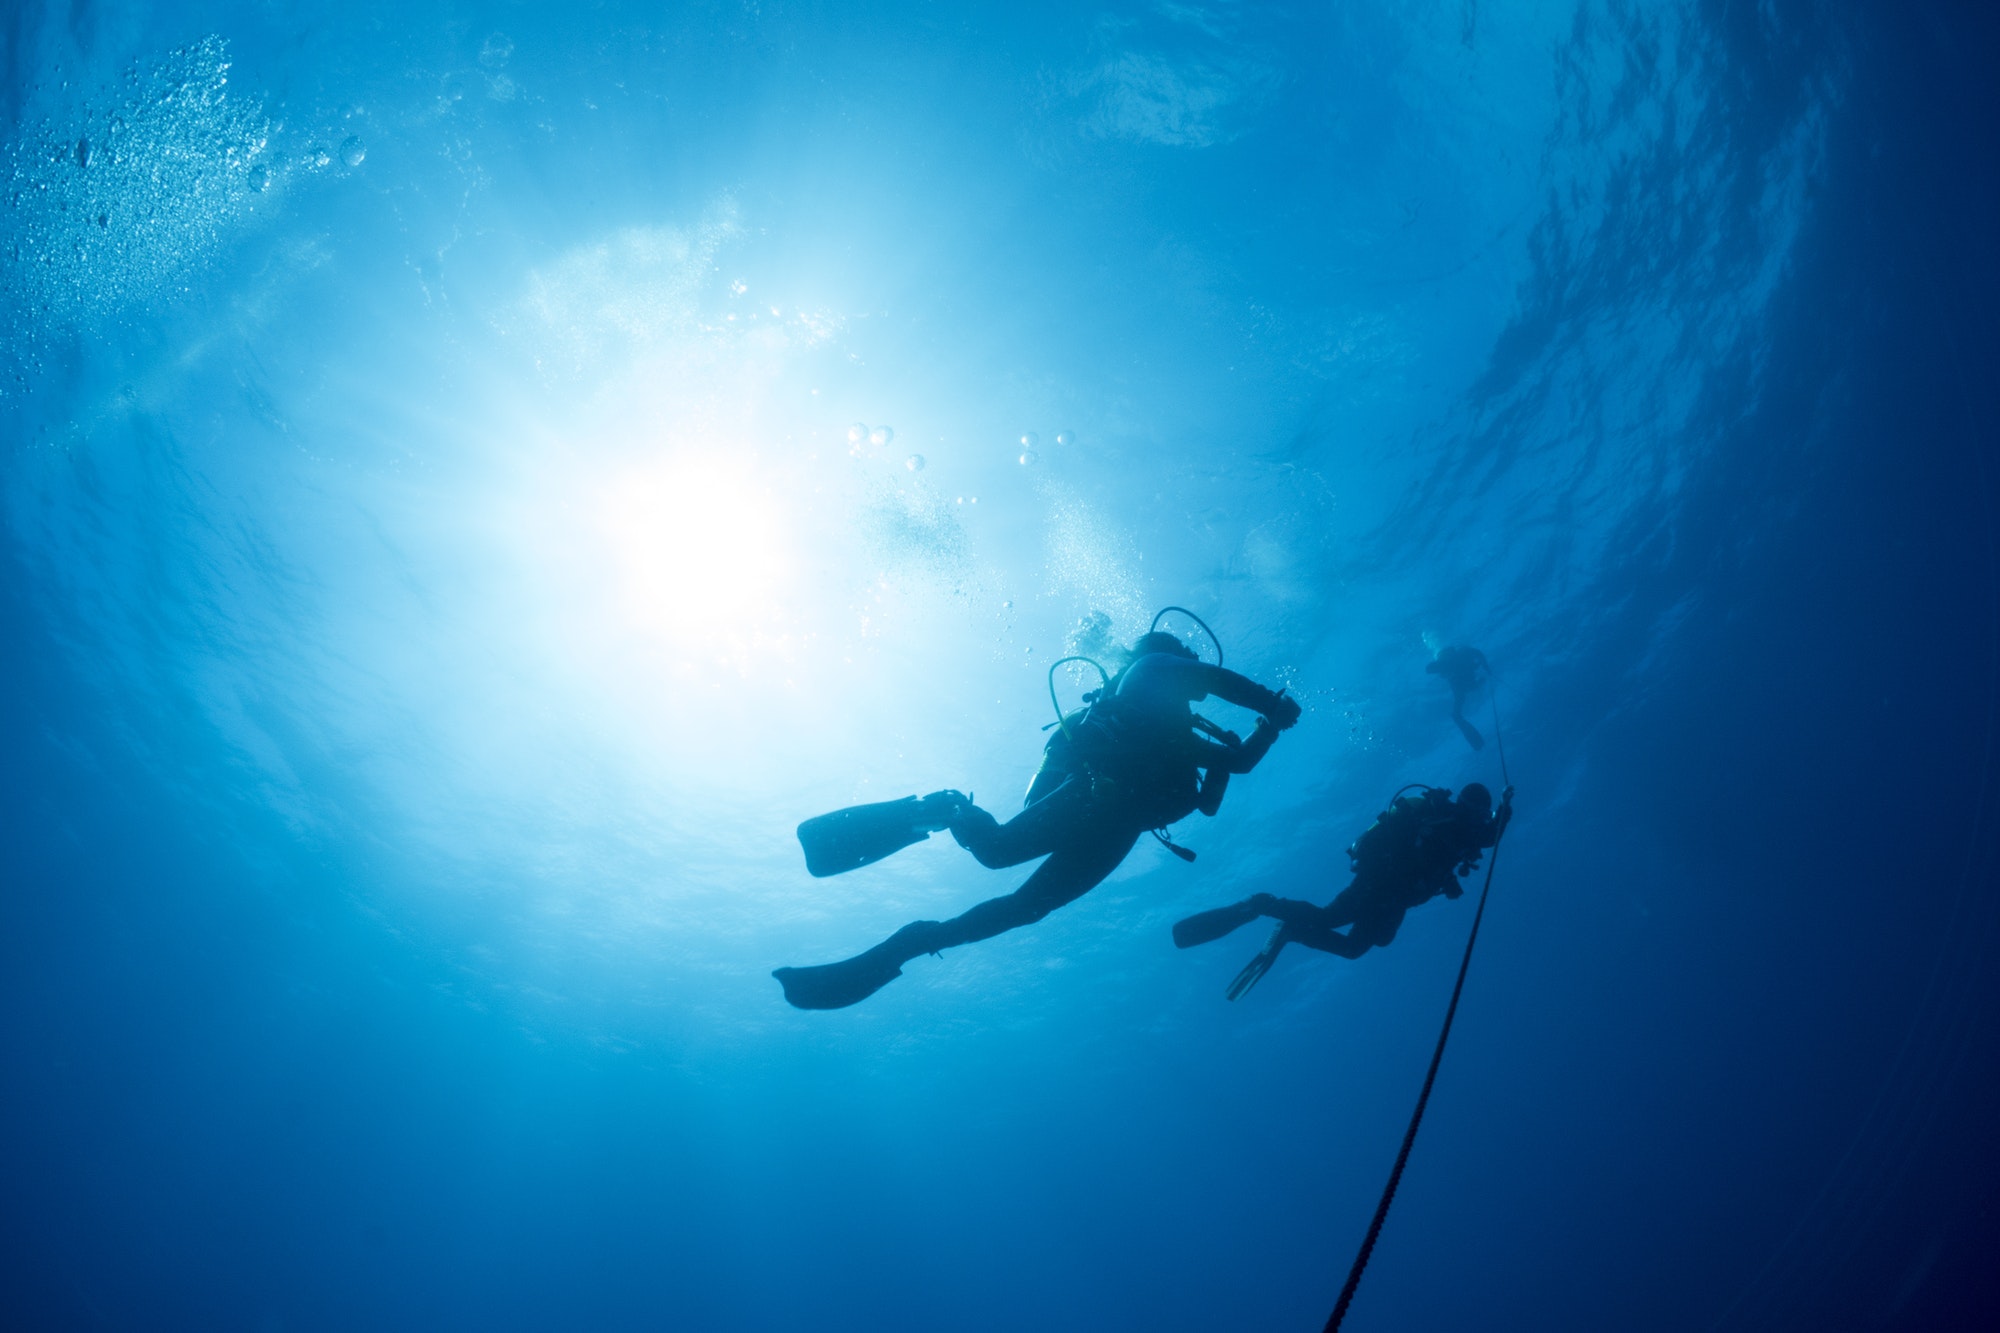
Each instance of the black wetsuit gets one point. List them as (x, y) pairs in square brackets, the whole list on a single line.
[(1130, 763), (1417, 850)]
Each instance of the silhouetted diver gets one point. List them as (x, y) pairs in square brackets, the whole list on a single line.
[(1415, 850), (1130, 762), (1465, 670)]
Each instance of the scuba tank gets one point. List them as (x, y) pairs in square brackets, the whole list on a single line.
[(1405, 839), (1118, 753)]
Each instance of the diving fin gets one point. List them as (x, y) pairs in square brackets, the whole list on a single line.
[(852, 980), (1471, 733), (1254, 970), (863, 834), (1203, 927)]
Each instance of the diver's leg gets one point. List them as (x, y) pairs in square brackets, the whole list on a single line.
[(1038, 830), (1302, 918), (1327, 940), (1379, 928), (1372, 927), (1204, 927), (1357, 909), (1067, 875)]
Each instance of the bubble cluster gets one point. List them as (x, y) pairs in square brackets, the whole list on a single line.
[(145, 189), (913, 530)]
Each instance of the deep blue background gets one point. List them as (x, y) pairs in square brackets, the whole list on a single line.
[(1728, 1056)]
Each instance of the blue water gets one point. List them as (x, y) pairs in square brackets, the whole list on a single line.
[(438, 576)]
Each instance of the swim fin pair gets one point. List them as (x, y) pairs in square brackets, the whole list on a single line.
[(1204, 927), (861, 835)]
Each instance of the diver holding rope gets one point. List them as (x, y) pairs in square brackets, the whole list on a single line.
[(1135, 760), (1417, 849)]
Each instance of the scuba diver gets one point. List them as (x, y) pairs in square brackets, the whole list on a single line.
[(1418, 848), (1465, 669), (1137, 759)]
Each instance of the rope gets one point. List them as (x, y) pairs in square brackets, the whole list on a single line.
[(1430, 1077)]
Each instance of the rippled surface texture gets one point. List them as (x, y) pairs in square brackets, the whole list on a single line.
[(476, 476)]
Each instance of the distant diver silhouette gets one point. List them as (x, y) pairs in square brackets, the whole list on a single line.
[(1415, 850), (1465, 669), (1136, 759)]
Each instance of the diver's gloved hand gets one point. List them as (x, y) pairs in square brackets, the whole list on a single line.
[(937, 811), (1283, 711)]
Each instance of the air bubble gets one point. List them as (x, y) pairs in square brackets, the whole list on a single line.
[(915, 462), (317, 157), (352, 151), (83, 153), (259, 179), (1029, 458), (1065, 438), (1029, 439), (857, 433), (881, 435)]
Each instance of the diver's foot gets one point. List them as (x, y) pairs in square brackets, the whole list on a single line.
[(939, 809), (838, 985)]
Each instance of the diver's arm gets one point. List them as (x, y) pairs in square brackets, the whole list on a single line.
[(1238, 758), (1193, 681), (1236, 688)]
